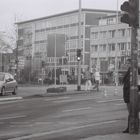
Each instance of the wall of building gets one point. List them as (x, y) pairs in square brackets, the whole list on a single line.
[(33, 38), (111, 43), (116, 42)]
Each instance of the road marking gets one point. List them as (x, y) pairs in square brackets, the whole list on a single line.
[(12, 117), (59, 98), (43, 123), (77, 109), (74, 100), (109, 100), (11, 98), (9, 102), (61, 130), (120, 104)]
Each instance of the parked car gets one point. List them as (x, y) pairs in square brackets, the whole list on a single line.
[(7, 84)]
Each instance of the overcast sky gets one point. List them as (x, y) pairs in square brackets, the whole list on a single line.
[(30, 9)]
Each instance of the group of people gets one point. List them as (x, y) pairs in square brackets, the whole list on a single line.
[(92, 79)]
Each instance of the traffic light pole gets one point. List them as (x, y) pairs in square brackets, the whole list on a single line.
[(134, 100), (79, 46), (79, 76), (131, 17)]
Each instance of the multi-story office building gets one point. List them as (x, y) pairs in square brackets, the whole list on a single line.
[(39, 40), (110, 47)]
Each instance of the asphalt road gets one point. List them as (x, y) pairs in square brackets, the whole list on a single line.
[(69, 117)]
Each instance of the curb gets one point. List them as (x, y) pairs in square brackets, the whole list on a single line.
[(51, 94), (56, 89), (74, 92), (43, 95)]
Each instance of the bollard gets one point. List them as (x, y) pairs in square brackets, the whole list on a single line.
[(105, 92), (116, 92)]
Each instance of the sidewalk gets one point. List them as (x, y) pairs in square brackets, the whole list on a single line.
[(40, 90), (29, 91), (115, 137)]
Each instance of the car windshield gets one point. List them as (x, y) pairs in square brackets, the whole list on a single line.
[(1, 77)]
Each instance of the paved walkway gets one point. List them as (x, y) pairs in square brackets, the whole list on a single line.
[(71, 89), (120, 136)]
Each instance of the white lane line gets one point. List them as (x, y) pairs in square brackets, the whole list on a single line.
[(75, 100), (11, 98), (59, 98), (61, 130), (120, 104), (43, 123), (77, 109), (9, 102), (12, 117), (105, 101)]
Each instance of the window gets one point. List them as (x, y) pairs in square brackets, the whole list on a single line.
[(103, 34), (1, 77), (129, 31), (129, 46), (122, 46), (11, 77), (112, 47), (95, 35), (103, 47), (112, 33), (94, 48), (6, 77), (110, 21), (122, 32)]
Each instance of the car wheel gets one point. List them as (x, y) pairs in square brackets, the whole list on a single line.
[(2, 91), (15, 91)]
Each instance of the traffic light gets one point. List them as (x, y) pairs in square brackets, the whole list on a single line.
[(78, 54), (131, 13)]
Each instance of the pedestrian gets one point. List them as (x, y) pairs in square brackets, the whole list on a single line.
[(88, 80), (138, 78), (138, 81), (126, 91), (97, 79)]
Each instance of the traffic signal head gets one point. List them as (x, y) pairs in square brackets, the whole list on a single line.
[(78, 54), (131, 13)]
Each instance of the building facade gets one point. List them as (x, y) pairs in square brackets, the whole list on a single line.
[(39, 39), (110, 47)]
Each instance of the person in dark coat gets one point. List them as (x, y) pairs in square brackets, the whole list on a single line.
[(126, 91)]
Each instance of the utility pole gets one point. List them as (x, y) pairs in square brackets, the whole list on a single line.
[(16, 51), (116, 50), (16, 61), (55, 59), (79, 46), (131, 17)]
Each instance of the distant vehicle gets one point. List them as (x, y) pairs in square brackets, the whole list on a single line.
[(7, 84)]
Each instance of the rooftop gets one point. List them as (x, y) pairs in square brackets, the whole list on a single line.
[(65, 13)]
